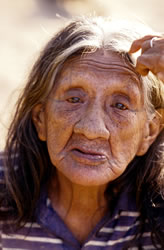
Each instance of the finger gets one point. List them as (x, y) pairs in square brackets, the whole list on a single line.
[(160, 76), (153, 62), (137, 44), (145, 46), (144, 64), (142, 70), (151, 43)]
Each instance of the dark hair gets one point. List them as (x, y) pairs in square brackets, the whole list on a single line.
[(23, 184)]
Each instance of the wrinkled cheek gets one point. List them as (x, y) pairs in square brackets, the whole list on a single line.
[(126, 144), (58, 135), (130, 149)]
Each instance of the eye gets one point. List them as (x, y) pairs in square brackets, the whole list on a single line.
[(74, 100), (120, 106)]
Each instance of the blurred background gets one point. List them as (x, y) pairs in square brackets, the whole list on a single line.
[(26, 25)]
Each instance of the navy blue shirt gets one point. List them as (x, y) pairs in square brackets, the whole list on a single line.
[(50, 232)]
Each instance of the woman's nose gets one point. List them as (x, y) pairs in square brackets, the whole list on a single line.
[(92, 125)]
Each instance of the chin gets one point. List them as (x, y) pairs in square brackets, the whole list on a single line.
[(89, 175)]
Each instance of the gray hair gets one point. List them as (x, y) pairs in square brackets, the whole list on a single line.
[(89, 34)]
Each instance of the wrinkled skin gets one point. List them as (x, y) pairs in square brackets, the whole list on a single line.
[(151, 59), (94, 122)]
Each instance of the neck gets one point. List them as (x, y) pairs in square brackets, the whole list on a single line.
[(80, 207)]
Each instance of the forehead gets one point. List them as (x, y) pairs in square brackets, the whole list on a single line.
[(101, 61)]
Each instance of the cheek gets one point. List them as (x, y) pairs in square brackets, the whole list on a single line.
[(59, 126), (126, 137)]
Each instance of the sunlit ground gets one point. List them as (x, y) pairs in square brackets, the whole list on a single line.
[(26, 25)]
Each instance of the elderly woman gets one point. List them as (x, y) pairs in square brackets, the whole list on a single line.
[(83, 164)]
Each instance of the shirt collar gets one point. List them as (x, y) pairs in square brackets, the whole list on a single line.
[(48, 218)]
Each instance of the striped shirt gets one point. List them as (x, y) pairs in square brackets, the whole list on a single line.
[(49, 231)]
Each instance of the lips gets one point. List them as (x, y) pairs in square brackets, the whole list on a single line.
[(89, 157)]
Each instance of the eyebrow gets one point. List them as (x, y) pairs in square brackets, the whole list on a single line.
[(126, 82)]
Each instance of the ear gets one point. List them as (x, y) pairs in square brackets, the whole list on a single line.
[(152, 129), (38, 117)]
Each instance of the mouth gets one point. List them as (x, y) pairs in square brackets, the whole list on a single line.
[(89, 157)]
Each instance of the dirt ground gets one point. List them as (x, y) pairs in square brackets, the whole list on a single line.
[(26, 25)]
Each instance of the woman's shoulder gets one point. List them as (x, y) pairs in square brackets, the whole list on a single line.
[(3, 163), (5, 208)]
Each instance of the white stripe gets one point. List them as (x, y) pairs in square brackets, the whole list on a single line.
[(2, 156), (144, 247), (31, 238), (107, 230), (96, 243), (109, 243), (27, 225), (32, 225), (128, 213), (6, 222), (4, 248), (14, 155), (6, 209), (149, 247), (48, 202), (148, 234), (2, 169), (116, 216), (119, 228), (113, 242)]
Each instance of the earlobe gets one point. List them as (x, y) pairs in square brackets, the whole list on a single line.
[(38, 117), (152, 129)]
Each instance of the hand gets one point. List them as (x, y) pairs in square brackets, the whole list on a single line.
[(152, 58)]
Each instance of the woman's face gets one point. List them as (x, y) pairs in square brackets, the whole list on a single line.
[(94, 122)]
